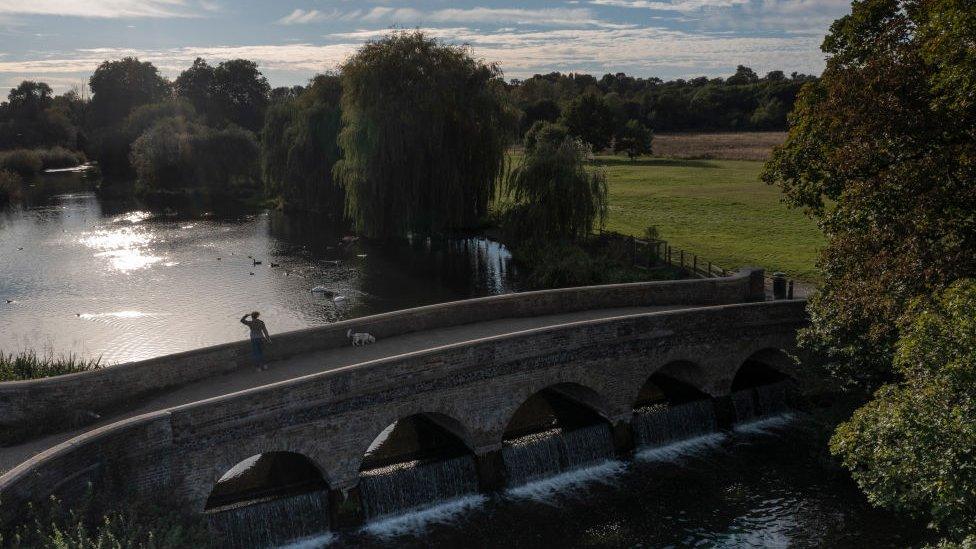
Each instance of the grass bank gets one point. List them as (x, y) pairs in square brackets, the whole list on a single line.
[(718, 209)]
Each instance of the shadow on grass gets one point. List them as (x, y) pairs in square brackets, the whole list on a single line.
[(666, 162)]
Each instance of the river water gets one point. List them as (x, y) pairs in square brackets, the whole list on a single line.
[(119, 280), (124, 281)]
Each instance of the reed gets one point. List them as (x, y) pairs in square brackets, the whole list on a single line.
[(30, 365)]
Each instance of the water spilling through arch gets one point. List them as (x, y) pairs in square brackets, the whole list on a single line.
[(555, 430)]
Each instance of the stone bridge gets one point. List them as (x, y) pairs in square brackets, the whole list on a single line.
[(470, 388)]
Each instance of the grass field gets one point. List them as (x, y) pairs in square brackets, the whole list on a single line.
[(717, 146), (718, 209)]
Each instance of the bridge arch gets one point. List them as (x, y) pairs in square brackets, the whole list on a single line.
[(677, 382), (268, 475), (564, 405), (763, 367)]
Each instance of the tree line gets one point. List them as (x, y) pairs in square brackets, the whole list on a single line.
[(207, 128)]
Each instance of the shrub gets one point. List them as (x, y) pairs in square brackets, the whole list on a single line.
[(24, 162), (51, 524), (10, 187), (178, 155)]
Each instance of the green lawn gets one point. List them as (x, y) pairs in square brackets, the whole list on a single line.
[(718, 209)]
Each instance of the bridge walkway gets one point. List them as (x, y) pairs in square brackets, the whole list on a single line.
[(311, 363)]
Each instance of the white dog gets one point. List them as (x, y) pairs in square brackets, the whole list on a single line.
[(360, 338)]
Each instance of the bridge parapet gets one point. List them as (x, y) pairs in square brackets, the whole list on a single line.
[(49, 401), (332, 417)]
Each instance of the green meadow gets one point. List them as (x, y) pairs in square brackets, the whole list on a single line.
[(718, 209)]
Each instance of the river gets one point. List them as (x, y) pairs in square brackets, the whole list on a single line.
[(116, 279)]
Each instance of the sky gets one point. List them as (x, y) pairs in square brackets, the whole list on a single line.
[(62, 41)]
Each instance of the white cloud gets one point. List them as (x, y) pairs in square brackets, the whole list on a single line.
[(671, 5), (642, 51), (548, 17), (106, 8)]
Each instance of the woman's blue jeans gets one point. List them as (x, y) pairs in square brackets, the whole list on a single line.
[(257, 350)]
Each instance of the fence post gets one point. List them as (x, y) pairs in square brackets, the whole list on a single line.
[(682, 260), (694, 269), (633, 250), (709, 269), (789, 292), (668, 251)]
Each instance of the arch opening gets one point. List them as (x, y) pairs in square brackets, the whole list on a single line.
[(414, 462), (760, 388), (269, 499), (556, 430), (668, 410)]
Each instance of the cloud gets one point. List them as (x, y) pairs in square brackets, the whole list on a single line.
[(106, 8), (641, 51), (671, 5), (548, 17)]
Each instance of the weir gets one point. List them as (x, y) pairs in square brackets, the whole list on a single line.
[(540, 455), (404, 487)]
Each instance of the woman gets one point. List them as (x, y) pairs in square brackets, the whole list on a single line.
[(259, 334)]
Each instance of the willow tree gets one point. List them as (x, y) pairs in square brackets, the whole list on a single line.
[(425, 132), (299, 149), (555, 196)]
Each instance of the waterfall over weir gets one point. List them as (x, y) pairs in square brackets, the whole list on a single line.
[(544, 454), (272, 522), (661, 423), (404, 486)]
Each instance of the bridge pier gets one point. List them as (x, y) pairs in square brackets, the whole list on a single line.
[(492, 476), (345, 508), (623, 437), (724, 412)]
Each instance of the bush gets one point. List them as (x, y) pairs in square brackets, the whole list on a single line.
[(10, 187), (28, 365), (180, 155), (24, 162), (59, 157), (913, 448), (545, 264)]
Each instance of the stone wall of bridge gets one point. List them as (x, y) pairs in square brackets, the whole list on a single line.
[(33, 404), (475, 387)]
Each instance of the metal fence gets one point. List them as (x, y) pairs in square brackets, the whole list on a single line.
[(650, 254)]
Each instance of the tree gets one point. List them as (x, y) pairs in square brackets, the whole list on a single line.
[(30, 118), (555, 196), (743, 75), (299, 147), (589, 118), (120, 86), (194, 84), (881, 152), (425, 131), (545, 132), (635, 139), (239, 94), (913, 448)]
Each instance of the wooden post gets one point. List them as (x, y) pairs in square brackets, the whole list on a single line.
[(695, 268), (709, 269), (682, 259)]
